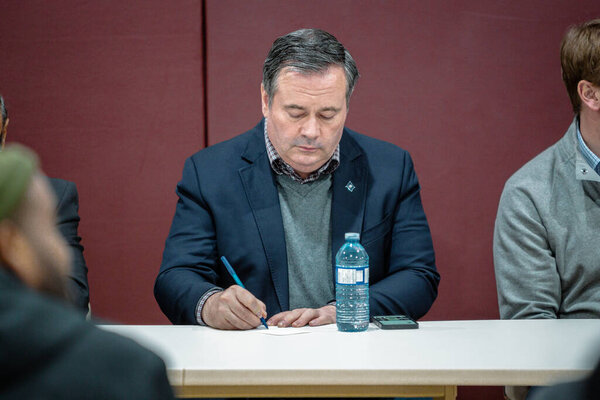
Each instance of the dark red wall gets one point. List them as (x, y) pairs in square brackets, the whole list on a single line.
[(471, 88), (111, 95)]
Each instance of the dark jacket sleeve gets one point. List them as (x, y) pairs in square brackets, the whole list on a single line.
[(410, 285), (68, 222), (187, 269)]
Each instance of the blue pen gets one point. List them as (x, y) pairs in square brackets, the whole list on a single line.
[(237, 280)]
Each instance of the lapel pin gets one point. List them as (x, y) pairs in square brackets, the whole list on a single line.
[(350, 186)]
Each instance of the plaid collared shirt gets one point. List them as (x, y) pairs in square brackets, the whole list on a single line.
[(281, 167), (592, 159)]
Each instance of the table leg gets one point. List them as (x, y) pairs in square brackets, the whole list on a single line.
[(450, 393)]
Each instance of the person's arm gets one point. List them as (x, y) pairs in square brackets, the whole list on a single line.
[(68, 222), (527, 279), (188, 269), (410, 286)]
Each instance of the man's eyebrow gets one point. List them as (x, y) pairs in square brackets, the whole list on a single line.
[(293, 107), (324, 109)]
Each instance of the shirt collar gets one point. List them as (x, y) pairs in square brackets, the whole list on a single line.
[(279, 166), (592, 159)]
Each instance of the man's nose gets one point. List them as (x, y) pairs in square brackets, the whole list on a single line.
[(311, 128)]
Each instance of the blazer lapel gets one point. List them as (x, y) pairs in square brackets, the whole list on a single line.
[(261, 191), (349, 194)]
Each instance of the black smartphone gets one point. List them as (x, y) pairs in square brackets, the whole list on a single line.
[(394, 322)]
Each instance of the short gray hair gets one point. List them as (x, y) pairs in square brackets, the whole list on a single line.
[(307, 51), (3, 111)]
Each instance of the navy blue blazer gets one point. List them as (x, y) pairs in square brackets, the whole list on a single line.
[(228, 205), (67, 219)]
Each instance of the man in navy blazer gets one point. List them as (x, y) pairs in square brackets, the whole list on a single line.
[(67, 217), (239, 199)]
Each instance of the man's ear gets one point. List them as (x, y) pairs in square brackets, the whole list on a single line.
[(589, 94), (264, 99), (16, 254)]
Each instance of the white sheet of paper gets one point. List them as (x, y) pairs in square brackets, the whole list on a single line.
[(274, 331)]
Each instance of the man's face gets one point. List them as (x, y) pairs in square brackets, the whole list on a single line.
[(306, 117)]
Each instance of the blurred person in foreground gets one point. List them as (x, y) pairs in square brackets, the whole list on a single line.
[(47, 349)]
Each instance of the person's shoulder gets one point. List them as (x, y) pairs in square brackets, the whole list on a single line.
[(65, 191), (129, 367), (531, 189), (110, 347), (537, 172), (231, 149), (543, 169), (61, 186), (43, 331), (376, 149)]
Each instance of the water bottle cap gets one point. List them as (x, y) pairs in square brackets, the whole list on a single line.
[(352, 236)]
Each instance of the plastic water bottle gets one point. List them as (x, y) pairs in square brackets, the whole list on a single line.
[(352, 286)]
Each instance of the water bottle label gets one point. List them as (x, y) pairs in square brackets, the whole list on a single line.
[(352, 276)]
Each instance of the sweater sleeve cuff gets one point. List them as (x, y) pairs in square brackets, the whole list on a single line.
[(201, 302)]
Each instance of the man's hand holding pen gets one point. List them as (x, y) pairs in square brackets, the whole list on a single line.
[(233, 308)]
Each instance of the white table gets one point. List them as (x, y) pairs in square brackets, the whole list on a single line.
[(430, 361)]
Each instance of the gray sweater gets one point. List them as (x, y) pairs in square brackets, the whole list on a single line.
[(306, 214), (547, 237)]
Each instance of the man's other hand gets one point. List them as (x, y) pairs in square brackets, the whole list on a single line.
[(233, 308), (304, 316)]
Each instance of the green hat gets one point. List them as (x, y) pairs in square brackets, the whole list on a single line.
[(17, 165)]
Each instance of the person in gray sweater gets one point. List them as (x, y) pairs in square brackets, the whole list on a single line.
[(546, 249)]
